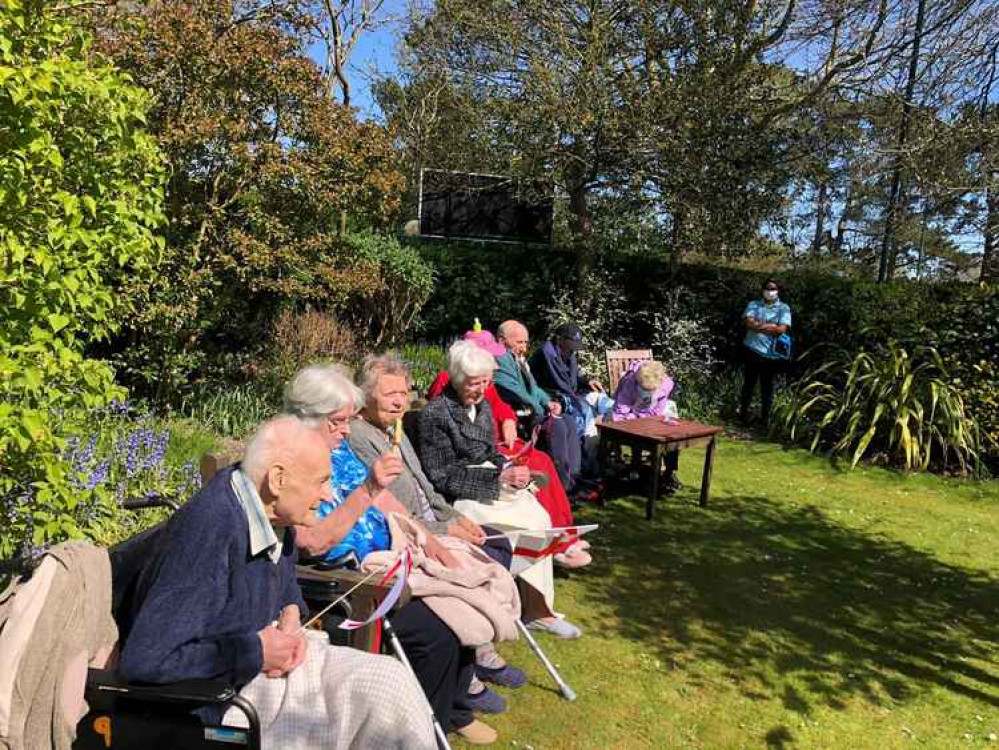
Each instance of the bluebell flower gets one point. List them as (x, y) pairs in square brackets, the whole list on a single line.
[(97, 476)]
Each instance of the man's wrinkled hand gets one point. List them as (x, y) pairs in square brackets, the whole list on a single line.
[(280, 651), (289, 622)]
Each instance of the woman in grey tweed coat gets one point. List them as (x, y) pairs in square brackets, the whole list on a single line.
[(457, 448)]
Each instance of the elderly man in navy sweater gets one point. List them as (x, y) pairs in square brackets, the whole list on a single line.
[(220, 599)]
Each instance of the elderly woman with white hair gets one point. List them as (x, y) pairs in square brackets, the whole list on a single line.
[(324, 395), (457, 448)]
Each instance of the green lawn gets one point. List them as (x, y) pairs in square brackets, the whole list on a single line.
[(807, 607)]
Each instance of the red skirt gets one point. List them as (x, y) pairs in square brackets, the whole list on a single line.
[(552, 496)]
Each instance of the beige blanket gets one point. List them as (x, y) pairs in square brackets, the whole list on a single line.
[(340, 698), (478, 599), (51, 629), (518, 509)]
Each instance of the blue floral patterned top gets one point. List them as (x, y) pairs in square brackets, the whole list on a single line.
[(370, 533)]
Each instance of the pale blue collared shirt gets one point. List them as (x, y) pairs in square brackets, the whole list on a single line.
[(262, 536)]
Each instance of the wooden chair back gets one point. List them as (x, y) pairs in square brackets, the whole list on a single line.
[(618, 362)]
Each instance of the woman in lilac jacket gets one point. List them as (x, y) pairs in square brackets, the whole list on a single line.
[(644, 391)]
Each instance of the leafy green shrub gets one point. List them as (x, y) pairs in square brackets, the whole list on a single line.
[(299, 339), (403, 283), (81, 188), (493, 284), (118, 454), (884, 402), (424, 362), (599, 308), (233, 411), (965, 329)]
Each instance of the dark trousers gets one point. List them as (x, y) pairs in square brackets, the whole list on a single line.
[(498, 549), (442, 665), (758, 367), (565, 448)]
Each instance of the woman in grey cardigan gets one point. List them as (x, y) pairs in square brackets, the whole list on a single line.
[(384, 382)]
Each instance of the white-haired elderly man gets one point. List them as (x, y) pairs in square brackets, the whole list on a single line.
[(518, 387), (352, 520), (219, 599), (457, 448)]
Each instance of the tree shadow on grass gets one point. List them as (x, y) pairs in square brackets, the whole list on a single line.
[(773, 593)]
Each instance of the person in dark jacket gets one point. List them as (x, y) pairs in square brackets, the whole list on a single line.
[(519, 388), (457, 448), (556, 367)]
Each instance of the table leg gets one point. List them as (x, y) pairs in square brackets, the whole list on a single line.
[(709, 465), (657, 460)]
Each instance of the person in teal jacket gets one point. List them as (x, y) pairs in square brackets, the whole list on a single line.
[(513, 377), (517, 386)]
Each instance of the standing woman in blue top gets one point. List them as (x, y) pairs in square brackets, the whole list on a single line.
[(766, 319)]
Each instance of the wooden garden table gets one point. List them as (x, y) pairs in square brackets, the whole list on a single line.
[(654, 435)]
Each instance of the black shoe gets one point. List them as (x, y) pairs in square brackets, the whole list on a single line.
[(672, 484)]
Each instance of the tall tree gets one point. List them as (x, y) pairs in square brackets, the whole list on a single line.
[(263, 163), (338, 25), (687, 108)]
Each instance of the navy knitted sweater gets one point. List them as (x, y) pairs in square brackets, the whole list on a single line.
[(202, 598)]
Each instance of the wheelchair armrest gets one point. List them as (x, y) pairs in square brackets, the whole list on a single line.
[(327, 585), (155, 501), (201, 692)]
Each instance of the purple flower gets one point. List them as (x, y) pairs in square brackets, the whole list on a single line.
[(98, 475)]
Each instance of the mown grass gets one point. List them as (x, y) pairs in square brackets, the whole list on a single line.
[(807, 607)]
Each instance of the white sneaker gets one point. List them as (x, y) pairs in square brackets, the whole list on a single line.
[(557, 627)]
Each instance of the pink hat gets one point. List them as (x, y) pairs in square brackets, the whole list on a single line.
[(484, 340)]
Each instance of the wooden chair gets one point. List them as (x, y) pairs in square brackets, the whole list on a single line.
[(618, 362)]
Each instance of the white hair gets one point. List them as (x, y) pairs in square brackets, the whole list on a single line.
[(275, 438), (375, 366), (465, 359), (319, 390), (508, 327)]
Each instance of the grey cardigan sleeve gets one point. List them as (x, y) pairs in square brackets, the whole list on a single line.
[(405, 487)]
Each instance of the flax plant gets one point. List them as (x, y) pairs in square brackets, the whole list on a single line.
[(885, 401)]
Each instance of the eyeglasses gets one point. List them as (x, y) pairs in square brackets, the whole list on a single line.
[(339, 423)]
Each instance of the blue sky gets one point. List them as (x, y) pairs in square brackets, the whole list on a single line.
[(375, 51)]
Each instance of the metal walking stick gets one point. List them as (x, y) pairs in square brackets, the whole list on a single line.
[(401, 656), (567, 692)]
